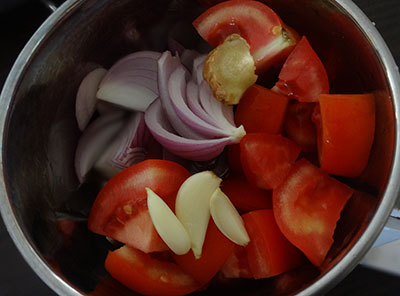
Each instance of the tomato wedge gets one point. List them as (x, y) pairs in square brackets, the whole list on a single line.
[(307, 206), (246, 197), (299, 127), (146, 275), (261, 110), (259, 25), (266, 159), (216, 249), (346, 128), (269, 253), (303, 76), (120, 209)]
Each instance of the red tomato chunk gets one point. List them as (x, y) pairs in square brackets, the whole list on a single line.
[(266, 159), (269, 39), (261, 110), (246, 197), (346, 127), (216, 249), (237, 264), (299, 127), (269, 253), (307, 206), (146, 275), (303, 76), (120, 210)]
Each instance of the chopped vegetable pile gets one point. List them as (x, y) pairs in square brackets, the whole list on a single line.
[(154, 121)]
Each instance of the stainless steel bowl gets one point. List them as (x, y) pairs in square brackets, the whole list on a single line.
[(39, 133)]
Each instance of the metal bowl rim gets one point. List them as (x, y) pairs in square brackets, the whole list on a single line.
[(331, 278)]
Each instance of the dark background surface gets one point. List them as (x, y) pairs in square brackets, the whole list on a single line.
[(16, 27)]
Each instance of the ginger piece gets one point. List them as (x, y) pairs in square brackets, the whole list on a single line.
[(229, 69)]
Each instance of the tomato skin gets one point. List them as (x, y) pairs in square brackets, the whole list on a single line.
[(120, 209), (246, 197), (299, 127), (216, 249), (269, 253), (346, 128), (266, 158), (261, 110), (307, 206), (259, 25), (141, 273), (303, 76)]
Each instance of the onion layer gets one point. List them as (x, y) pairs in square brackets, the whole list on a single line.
[(86, 99), (166, 66), (132, 81), (188, 121), (132, 145), (193, 149), (96, 136), (177, 92)]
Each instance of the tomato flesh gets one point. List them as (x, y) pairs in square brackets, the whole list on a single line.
[(246, 197), (307, 206), (260, 26), (299, 127), (346, 128), (261, 110), (303, 76), (216, 249), (237, 264), (266, 159), (146, 275), (120, 209), (269, 253)]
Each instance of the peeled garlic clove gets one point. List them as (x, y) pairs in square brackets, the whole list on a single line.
[(227, 218), (192, 206), (167, 224)]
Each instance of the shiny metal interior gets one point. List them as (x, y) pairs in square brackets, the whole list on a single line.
[(39, 132)]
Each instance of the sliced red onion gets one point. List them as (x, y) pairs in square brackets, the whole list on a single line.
[(132, 145), (143, 77), (127, 94), (193, 149), (177, 93), (219, 112), (104, 166), (192, 95), (98, 135), (166, 65), (132, 81), (197, 71), (86, 100)]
